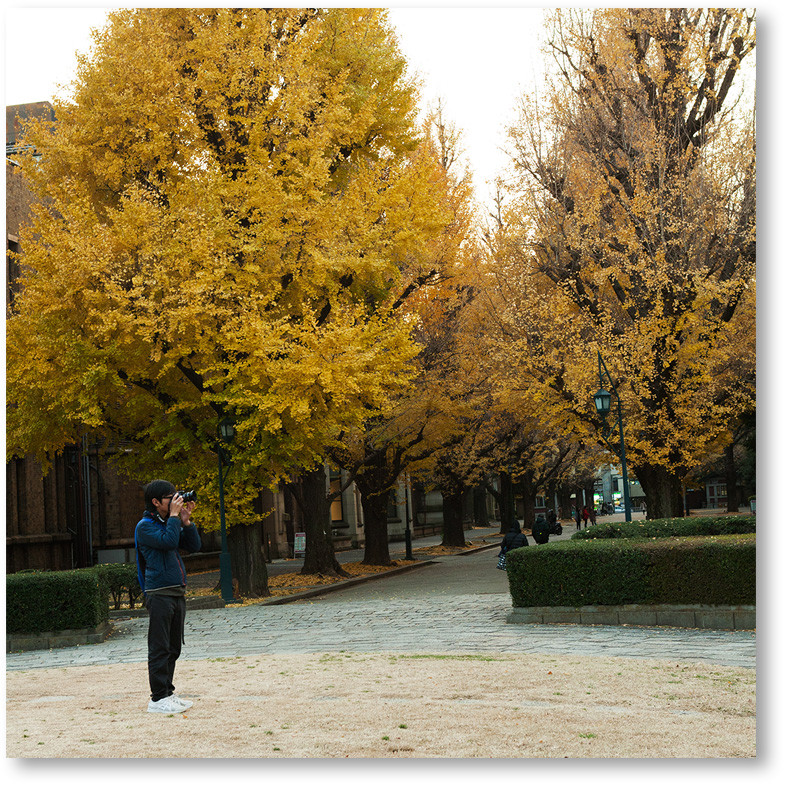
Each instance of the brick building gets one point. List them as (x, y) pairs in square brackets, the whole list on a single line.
[(81, 507)]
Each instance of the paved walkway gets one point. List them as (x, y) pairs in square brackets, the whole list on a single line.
[(459, 604)]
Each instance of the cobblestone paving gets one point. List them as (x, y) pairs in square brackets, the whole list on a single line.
[(462, 623), (459, 604)]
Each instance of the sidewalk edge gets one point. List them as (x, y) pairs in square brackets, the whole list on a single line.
[(331, 587)]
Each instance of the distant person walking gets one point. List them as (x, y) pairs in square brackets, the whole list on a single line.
[(540, 530), (514, 538), (578, 517), (585, 515)]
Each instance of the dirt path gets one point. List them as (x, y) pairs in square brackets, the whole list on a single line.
[(386, 705)]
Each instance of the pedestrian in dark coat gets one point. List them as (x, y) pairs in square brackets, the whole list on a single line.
[(540, 530), (514, 538)]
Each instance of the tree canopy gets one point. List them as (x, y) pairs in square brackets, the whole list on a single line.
[(232, 203), (632, 231)]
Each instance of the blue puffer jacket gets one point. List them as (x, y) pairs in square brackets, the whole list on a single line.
[(158, 544)]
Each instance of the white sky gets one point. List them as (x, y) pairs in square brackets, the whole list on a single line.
[(474, 59)]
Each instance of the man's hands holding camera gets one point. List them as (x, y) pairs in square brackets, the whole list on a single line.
[(181, 508)]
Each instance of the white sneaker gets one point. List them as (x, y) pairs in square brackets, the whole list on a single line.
[(165, 706), (186, 704)]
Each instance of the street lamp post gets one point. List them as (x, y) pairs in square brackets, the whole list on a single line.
[(408, 535), (602, 402), (225, 436)]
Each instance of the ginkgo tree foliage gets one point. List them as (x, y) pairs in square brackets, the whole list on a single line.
[(403, 435), (230, 208), (631, 231)]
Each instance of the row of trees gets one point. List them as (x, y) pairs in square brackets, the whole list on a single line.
[(251, 223)]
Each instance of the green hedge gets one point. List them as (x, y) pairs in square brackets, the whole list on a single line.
[(693, 526), (706, 570), (122, 582), (50, 601)]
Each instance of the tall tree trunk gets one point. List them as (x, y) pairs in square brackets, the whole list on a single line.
[(480, 507), (249, 569), (506, 501), (374, 482), (502, 498), (663, 491), (310, 491), (452, 513), (730, 479), (589, 490), (377, 543), (529, 494)]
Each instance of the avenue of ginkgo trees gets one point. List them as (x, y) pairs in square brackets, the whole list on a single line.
[(250, 223), (631, 231)]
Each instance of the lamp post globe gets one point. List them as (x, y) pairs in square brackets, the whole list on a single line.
[(226, 430), (602, 401)]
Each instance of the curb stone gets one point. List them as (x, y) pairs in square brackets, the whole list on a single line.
[(57, 640), (345, 584), (705, 617), (207, 603), (191, 604)]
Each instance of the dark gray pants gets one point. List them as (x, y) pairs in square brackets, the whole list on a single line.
[(164, 641)]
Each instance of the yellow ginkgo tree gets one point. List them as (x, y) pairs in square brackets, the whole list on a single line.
[(231, 203), (632, 231)]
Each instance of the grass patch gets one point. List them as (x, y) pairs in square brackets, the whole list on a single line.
[(467, 657)]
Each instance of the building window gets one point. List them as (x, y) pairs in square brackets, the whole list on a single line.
[(392, 504)]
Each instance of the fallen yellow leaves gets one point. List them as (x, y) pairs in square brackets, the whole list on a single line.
[(292, 582)]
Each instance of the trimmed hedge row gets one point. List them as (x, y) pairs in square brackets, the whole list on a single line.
[(39, 602), (704, 570), (670, 527), (50, 601)]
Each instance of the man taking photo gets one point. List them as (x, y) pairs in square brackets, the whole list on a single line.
[(164, 530)]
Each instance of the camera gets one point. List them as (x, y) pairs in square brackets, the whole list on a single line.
[(188, 496)]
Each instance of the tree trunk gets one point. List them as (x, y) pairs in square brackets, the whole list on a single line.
[(500, 497), (249, 569), (663, 491), (529, 494), (730, 480), (452, 512), (506, 502), (589, 492), (310, 491), (480, 507), (374, 482), (377, 543), (289, 506)]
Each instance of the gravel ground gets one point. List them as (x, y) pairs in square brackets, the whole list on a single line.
[(389, 705)]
